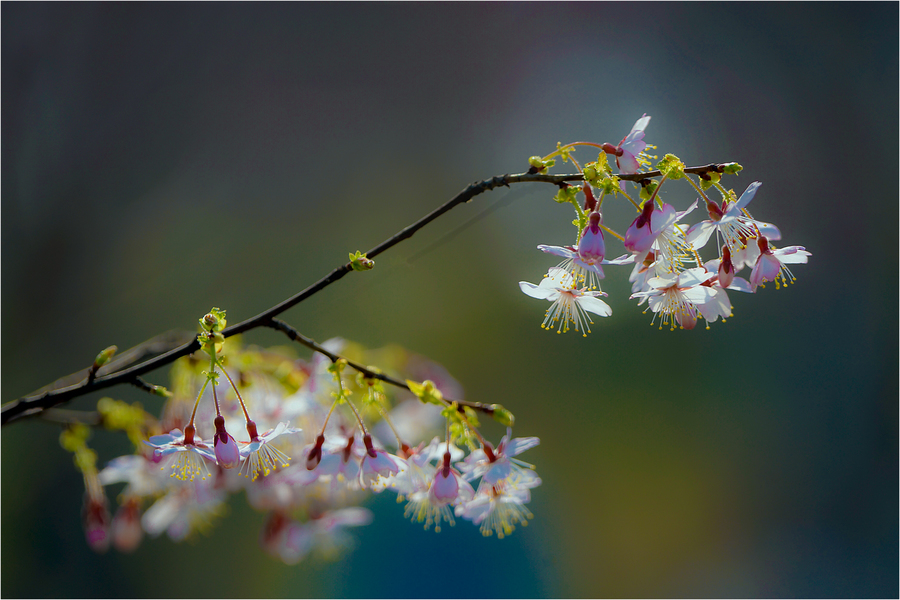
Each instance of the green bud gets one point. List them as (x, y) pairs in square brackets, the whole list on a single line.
[(359, 262), (590, 173), (539, 164), (211, 342), (214, 320), (705, 184), (426, 392), (104, 357), (731, 168), (503, 416), (337, 366), (671, 166), (159, 390)]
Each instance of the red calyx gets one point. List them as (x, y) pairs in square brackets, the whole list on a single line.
[(715, 213), (348, 449), (221, 434), (189, 432), (644, 217), (445, 470), (489, 452), (251, 431), (590, 203), (610, 149), (370, 449), (315, 455)]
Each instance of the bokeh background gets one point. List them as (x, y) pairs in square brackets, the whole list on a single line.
[(161, 159)]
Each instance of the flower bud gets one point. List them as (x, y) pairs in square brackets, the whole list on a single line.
[(227, 453), (610, 149), (315, 455), (95, 518), (503, 416), (104, 357), (126, 526), (726, 268), (445, 487)]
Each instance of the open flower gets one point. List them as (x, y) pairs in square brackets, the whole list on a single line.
[(569, 305), (630, 147), (190, 453), (446, 488), (262, 458), (498, 465), (497, 509), (376, 463), (732, 223), (676, 298), (658, 230), (770, 266)]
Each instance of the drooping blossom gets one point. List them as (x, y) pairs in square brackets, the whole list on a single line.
[(190, 453), (497, 509), (770, 266), (676, 297), (569, 305), (658, 230), (260, 457), (732, 224), (376, 463), (585, 261), (496, 465), (228, 455), (446, 488)]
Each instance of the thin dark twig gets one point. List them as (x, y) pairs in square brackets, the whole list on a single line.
[(295, 335), (28, 406)]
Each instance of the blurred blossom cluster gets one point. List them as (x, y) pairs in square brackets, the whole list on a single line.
[(306, 444), (667, 273)]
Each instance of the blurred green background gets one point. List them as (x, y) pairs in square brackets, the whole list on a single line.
[(161, 159)]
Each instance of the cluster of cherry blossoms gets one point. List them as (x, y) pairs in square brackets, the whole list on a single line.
[(305, 442), (667, 273)]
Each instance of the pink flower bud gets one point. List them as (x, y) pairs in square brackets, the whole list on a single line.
[(592, 247), (639, 236), (228, 455), (726, 268), (126, 527), (95, 518), (445, 487)]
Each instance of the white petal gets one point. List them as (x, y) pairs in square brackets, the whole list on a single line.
[(558, 251), (594, 305), (747, 196), (535, 291), (698, 235)]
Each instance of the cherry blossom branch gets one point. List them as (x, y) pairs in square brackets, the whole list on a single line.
[(35, 404)]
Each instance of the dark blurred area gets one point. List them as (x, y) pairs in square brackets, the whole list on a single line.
[(160, 159)]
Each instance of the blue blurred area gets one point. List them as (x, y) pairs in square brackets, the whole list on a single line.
[(142, 143)]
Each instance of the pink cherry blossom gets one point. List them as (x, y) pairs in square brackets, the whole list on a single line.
[(770, 266), (630, 147)]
